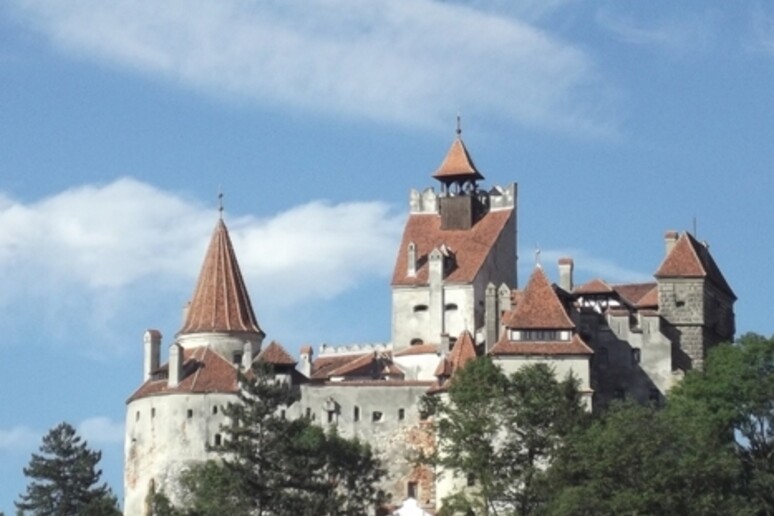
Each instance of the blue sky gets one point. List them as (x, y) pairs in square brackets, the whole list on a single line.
[(120, 121)]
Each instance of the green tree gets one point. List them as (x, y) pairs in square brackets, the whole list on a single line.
[(736, 393), (636, 459), (65, 478), (278, 466), (501, 432)]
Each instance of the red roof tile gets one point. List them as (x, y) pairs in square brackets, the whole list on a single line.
[(203, 371), (539, 307), (323, 365), (632, 293), (444, 368), (457, 164), (463, 351), (417, 349), (595, 286), (575, 346), (470, 247), (649, 300), (275, 354), (363, 364), (221, 302), (691, 259)]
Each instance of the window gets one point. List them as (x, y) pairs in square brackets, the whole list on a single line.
[(308, 413), (237, 358), (218, 440), (282, 414), (471, 479), (420, 308), (153, 413), (356, 414), (540, 335), (411, 490), (376, 416), (401, 414), (450, 307), (215, 409), (137, 416), (189, 414), (635, 356), (416, 341), (331, 416)]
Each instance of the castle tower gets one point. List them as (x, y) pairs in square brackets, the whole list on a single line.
[(694, 299), (178, 410), (455, 243)]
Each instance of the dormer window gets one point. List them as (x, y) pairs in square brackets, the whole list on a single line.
[(540, 335)]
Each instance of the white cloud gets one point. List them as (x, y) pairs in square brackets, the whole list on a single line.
[(19, 438), (587, 267), (680, 36), (102, 238), (101, 430), (404, 61)]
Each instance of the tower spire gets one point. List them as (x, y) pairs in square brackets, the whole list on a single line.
[(220, 303)]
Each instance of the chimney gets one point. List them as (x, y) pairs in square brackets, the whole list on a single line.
[(175, 364), (445, 343), (412, 259), (247, 355), (566, 266), (305, 362), (491, 322), (670, 239), (152, 341)]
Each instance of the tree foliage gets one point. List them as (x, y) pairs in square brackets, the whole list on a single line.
[(501, 432), (65, 479), (276, 466)]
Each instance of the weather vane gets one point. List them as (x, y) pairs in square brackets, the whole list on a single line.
[(459, 124), (537, 256), (220, 201)]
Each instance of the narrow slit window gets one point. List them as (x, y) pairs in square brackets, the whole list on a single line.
[(356, 414)]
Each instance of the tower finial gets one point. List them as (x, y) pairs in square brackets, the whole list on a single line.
[(459, 125), (537, 257), (220, 201)]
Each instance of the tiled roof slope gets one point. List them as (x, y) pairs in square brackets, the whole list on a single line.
[(463, 351), (595, 286), (220, 302), (539, 307), (575, 346), (691, 259), (417, 349), (457, 164), (470, 247), (203, 371), (275, 354), (633, 293)]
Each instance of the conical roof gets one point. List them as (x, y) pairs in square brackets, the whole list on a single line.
[(220, 303), (539, 307), (457, 165)]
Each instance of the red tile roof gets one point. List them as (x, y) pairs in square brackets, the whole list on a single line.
[(363, 365), (539, 307), (470, 247), (417, 349), (203, 371), (691, 259), (275, 354), (575, 346), (633, 293), (463, 351), (444, 368), (221, 302), (595, 286), (457, 164), (322, 366), (649, 300)]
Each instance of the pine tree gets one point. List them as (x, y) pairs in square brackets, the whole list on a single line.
[(65, 478)]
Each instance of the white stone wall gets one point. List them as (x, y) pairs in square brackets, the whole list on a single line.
[(163, 438)]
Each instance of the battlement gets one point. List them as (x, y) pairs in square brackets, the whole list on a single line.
[(353, 349), (497, 198)]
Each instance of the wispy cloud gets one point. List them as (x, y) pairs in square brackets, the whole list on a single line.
[(75, 262), (679, 36), (403, 61), (101, 430), (588, 266), (19, 439)]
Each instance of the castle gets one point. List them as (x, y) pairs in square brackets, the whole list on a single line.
[(454, 297)]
